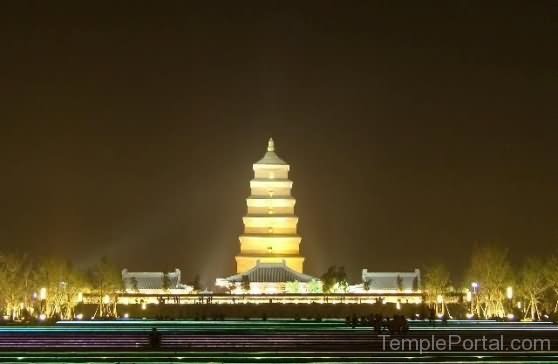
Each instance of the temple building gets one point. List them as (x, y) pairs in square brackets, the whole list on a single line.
[(269, 259), (270, 225), (388, 282), (154, 282), (270, 278)]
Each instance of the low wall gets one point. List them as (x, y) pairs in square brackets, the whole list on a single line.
[(264, 310)]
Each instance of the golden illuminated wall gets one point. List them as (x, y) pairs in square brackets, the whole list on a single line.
[(270, 224)]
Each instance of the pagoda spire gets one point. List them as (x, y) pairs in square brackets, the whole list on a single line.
[(270, 145)]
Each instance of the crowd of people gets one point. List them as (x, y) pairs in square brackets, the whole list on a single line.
[(397, 324)]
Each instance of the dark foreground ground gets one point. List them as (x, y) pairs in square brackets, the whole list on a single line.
[(277, 341)]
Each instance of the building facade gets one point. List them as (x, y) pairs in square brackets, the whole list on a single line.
[(271, 278), (154, 282)]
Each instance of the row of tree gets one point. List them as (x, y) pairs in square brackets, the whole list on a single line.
[(494, 288), (52, 287)]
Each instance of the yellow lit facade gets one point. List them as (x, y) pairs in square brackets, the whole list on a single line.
[(270, 226)]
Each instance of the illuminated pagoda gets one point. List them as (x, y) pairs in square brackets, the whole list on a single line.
[(270, 246), (270, 234)]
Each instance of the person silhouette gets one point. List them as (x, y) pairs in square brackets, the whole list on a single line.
[(155, 338)]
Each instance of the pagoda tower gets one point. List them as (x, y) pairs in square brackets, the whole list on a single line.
[(270, 224)]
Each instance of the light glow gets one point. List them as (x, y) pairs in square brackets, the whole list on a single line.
[(509, 292), (42, 293)]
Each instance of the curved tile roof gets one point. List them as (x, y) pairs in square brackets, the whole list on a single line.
[(271, 272)]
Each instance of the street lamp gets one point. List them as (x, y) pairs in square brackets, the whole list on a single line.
[(509, 293), (469, 299), (42, 293), (474, 299), (440, 302), (42, 302)]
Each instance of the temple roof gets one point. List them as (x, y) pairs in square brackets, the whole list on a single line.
[(392, 280), (271, 272), (270, 156), (149, 280)]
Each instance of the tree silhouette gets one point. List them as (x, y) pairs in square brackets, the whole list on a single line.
[(196, 285), (415, 284), (533, 284), (245, 283), (335, 278), (329, 279), (166, 281), (106, 281), (134, 284), (399, 283), (491, 268)]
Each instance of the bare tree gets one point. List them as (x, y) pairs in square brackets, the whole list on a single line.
[(106, 282), (491, 269), (533, 283), (54, 277), (245, 283), (16, 284), (552, 277), (436, 283), (166, 281)]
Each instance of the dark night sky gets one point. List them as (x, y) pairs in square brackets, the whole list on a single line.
[(413, 129)]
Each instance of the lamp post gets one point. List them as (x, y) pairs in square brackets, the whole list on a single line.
[(440, 303), (42, 302), (469, 299), (509, 296), (474, 298)]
